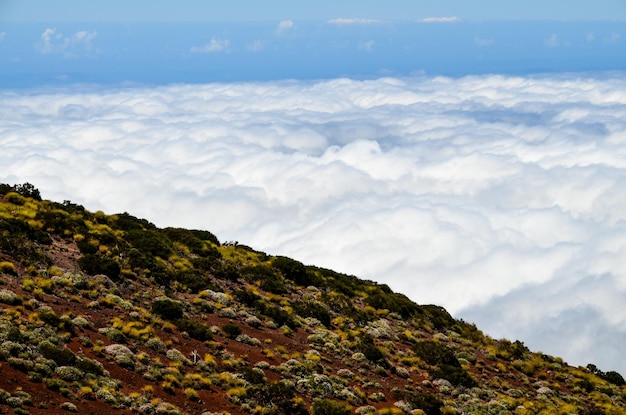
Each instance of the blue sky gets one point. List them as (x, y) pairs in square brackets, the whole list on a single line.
[(209, 10), (68, 42)]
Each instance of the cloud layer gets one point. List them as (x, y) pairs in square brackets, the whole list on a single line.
[(501, 198)]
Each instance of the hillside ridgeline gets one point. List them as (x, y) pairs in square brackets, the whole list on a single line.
[(109, 314)]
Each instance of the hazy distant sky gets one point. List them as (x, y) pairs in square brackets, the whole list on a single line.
[(208, 10), (470, 154), (151, 42)]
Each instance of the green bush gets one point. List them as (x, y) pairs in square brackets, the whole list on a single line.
[(367, 346), (330, 407), (94, 264), (167, 308), (427, 402), (446, 364), (232, 330), (292, 270), (266, 276), (343, 283), (150, 241), (126, 222), (55, 384), (280, 316), (61, 355), (279, 397), (396, 303), (89, 366), (86, 247), (48, 316), (23, 365), (27, 190), (69, 373), (194, 329), (199, 242), (312, 309)]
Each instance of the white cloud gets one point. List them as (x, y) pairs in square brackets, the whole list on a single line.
[(480, 41), (214, 45), (257, 45), (500, 198), (284, 26), (351, 21), (449, 19), (2, 35), (366, 45), (79, 43), (614, 38), (553, 41)]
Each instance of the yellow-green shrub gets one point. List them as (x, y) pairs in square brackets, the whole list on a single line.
[(7, 267)]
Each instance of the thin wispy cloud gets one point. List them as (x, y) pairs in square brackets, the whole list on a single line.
[(284, 26), (53, 42), (500, 198), (366, 45), (257, 45), (449, 19), (614, 38), (553, 41), (480, 41), (353, 21), (2, 35), (214, 45)]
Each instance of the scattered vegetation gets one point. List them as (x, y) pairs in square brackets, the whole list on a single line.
[(110, 311)]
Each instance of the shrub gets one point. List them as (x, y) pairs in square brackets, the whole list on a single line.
[(95, 264), (611, 376), (254, 321), (446, 364), (367, 346), (330, 407), (156, 344), (151, 242), (266, 276), (23, 365), (175, 355), (396, 303), (280, 396), (68, 406), (90, 366), (312, 309), (8, 297), (280, 316), (232, 330), (69, 373), (194, 329), (435, 353), (86, 247), (55, 384), (292, 270), (7, 268), (427, 402), (60, 355), (252, 341), (27, 190), (167, 308), (122, 355), (614, 378)]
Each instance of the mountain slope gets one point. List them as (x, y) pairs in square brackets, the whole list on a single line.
[(109, 314)]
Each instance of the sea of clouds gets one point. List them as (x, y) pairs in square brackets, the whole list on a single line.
[(501, 198)]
